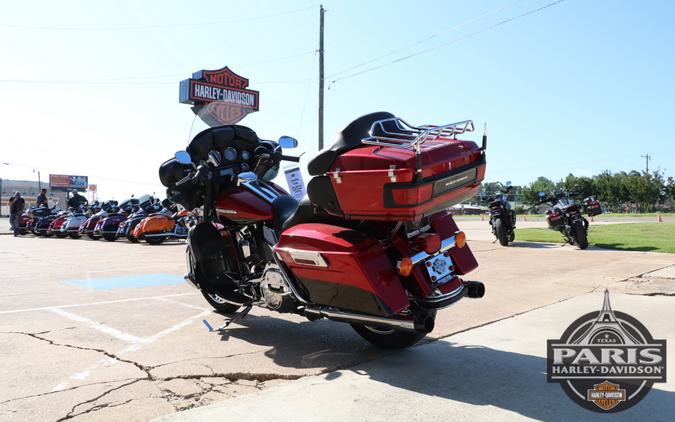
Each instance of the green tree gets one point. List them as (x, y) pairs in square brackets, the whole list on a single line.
[(530, 193)]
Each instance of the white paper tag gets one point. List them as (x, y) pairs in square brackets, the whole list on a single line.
[(295, 184)]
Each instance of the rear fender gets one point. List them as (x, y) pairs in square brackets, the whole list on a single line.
[(463, 259)]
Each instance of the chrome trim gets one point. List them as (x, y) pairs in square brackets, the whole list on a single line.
[(421, 256), (315, 257), (407, 325), (409, 136), (291, 286)]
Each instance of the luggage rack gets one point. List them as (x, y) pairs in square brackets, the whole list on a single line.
[(401, 134)]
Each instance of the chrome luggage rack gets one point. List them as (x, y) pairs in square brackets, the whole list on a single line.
[(397, 133), (406, 135)]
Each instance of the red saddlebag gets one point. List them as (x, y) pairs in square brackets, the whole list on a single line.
[(342, 268)]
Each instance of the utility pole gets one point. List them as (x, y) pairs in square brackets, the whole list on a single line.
[(321, 81), (647, 157)]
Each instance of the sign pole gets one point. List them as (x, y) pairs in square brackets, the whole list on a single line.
[(321, 76)]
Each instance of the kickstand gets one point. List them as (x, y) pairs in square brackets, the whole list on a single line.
[(238, 316)]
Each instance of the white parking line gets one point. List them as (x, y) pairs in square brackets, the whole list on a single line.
[(77, 305), (99, 326)]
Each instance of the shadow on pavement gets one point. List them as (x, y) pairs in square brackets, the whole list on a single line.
[(622, 247), (515, 382), (303, 344), (535, 245)]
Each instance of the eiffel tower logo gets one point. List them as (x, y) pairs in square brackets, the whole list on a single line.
[(606, 329)]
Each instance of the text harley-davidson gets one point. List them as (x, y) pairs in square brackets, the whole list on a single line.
[(371, 244)]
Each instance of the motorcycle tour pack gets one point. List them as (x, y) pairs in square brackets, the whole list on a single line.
[(372, 241)]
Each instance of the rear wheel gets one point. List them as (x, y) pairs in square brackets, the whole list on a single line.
[(74, 235), (581, 235), (154, 240), (388, 338), (110, 237), (60, 235), (133, 239), (500, 231), (219, 304)]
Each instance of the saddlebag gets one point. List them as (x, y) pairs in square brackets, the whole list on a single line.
[(342, 268)]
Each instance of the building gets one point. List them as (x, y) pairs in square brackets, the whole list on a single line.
[(29, 190)]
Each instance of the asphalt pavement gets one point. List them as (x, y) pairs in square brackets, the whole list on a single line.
[(96, 330)]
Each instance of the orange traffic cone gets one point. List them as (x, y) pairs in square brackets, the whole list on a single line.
[(482, 217), (592, 219), (524, 218), (659, 219)]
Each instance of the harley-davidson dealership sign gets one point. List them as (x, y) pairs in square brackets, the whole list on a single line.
[(225, 87)]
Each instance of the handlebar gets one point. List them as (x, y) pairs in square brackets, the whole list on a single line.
[(289, 158)]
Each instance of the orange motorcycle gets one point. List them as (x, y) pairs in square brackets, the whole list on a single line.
[(169, 223)]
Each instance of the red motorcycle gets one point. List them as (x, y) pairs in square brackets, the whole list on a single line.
[(371, 245)]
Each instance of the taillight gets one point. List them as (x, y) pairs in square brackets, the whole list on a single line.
[(408, 196), (428, 242)]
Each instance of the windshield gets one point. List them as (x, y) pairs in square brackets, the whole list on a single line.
[(218, 113)]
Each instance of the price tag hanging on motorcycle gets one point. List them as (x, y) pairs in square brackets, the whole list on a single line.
[(295, 184), (229, 90)]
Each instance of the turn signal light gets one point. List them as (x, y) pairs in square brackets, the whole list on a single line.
[(460, 239), (405, 266)]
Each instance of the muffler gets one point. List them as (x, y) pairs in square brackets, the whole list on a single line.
[(399, 324), (476, 289)]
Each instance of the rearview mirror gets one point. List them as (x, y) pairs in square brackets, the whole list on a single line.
[(287, 142), (183, 157)]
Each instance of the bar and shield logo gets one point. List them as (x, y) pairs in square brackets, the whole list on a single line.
[(227, 92), (606, 361)]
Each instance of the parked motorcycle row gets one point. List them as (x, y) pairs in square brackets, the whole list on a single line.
[(136, 219), (564, 214)]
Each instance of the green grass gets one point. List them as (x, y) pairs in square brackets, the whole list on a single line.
[(653, 237)]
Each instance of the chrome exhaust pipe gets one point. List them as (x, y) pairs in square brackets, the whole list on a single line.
[(406, 325), (476, 289)]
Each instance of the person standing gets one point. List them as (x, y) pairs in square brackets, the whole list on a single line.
[(76, 200), (16, 205), (42, 197)]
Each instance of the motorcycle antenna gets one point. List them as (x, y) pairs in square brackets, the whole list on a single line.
[(484, 137), (322, 11)]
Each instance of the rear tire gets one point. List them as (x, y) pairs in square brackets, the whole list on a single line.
[(219, 304), (500, 231), (60, 235), (581, 235), (74, 235), (154, 240), (110, 237), (387, 338), (132, 239)]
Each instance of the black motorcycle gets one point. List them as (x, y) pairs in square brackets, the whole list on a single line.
[(565, 217), (502, 217)]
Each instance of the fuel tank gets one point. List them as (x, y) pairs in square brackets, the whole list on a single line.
[(241, 205)]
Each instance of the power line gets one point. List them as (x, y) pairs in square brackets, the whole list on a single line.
[(152, 26), (500, 23), (129, 80), (426, 39)]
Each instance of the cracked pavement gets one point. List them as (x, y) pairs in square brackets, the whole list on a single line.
[(73, 353)]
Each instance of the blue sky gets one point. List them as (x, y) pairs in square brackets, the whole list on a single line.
[(580, 87)]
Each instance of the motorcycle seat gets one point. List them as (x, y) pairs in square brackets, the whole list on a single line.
[(306, 212), (348, 139)]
